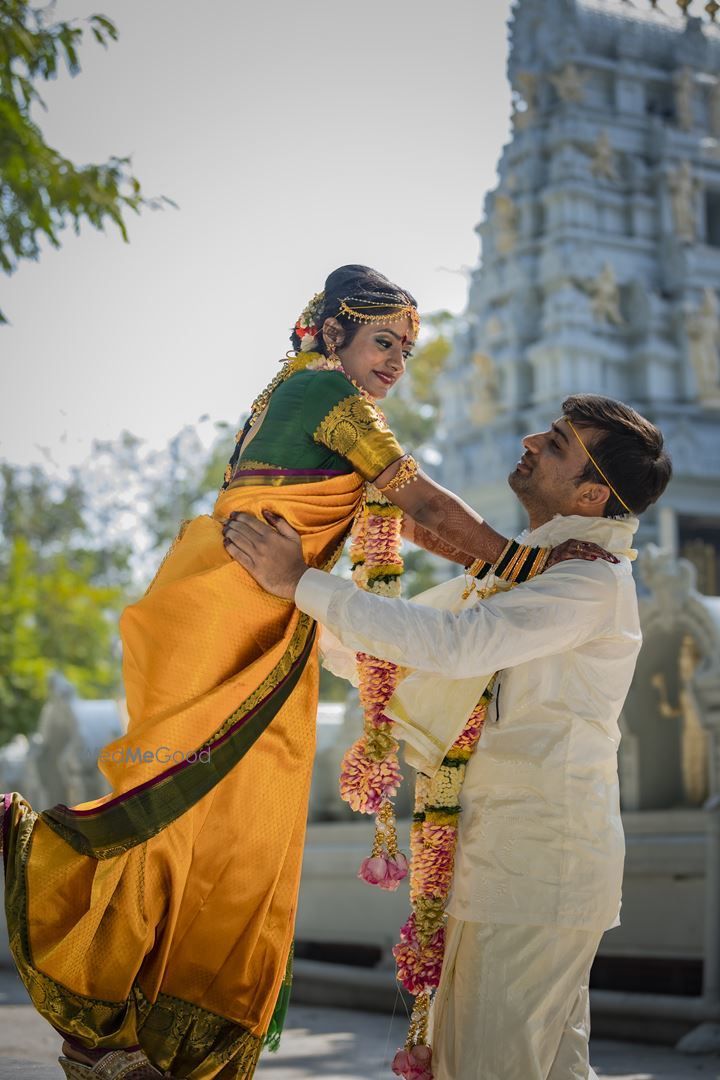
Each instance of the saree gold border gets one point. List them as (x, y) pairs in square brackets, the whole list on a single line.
[(274, 481), (251, 463), (210, 1042), (279, 672), (168, 553)]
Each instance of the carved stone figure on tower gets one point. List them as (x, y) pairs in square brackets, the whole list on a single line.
[(527, 87), (507, 218), (569, 84), (714, 109), (603, 164), (683, 189), (605, 295), (486, 388), (703, 332), (494, 328), (684, 97)]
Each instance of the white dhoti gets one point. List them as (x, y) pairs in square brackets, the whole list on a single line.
[(513, 1003)]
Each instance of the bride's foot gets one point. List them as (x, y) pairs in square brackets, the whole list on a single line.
[(79, 1064), (82, 1056)]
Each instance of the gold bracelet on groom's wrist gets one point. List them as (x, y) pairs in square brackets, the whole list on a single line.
[(516, 564), (519, 562)]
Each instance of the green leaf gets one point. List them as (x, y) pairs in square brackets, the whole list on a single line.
[(41, 191)]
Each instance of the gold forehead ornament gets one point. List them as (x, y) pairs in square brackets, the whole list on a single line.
[(366, 311)]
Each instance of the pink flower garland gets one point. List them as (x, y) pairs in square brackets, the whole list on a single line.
[(370, 777), (433, 840), (370, 773)]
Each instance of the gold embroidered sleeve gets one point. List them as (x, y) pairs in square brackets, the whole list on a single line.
[(355, 429)]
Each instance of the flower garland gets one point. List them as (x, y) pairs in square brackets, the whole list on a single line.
[(370, 777), (370, 773), (433, 840)]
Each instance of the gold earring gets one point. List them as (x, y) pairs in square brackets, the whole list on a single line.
[(332, 352)]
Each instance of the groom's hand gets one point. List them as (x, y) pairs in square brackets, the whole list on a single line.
[(271, 553)]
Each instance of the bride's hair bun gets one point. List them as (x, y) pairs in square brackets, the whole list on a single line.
[(360, 283)]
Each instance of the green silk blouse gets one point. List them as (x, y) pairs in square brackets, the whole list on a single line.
[(319, 420)]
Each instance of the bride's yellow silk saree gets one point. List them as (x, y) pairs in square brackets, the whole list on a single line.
[(162, 915)]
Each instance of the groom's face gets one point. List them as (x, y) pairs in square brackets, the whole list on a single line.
[(545, 479)]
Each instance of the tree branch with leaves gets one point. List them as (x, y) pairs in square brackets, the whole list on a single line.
[(42, 191)]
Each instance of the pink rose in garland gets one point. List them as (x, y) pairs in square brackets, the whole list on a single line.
[(414, 1064), (384, 870)]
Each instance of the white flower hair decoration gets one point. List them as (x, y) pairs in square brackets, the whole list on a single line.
[(307, 326)]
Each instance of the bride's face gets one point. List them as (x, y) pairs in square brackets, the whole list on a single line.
[(377, 355)]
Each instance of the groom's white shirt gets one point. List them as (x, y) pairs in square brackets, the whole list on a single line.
[(541, 839)]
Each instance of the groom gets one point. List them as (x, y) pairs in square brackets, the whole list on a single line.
[(540, 854)]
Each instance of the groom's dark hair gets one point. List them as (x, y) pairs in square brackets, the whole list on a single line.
[(630, 452)]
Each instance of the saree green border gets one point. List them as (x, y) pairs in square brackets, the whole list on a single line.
[(171, 1031), (58, 1004), (120, 825), (279, 1016), (174, 1032)]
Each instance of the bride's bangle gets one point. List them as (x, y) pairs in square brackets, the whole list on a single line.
[(407, 472)]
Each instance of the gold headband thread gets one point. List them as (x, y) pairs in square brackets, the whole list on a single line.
[(619, 499)]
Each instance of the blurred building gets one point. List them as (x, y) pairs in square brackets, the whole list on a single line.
[(600, 263)]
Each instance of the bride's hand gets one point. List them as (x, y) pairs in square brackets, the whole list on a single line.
[(578, 549)]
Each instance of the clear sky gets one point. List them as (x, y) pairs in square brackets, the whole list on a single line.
[(294, 137)]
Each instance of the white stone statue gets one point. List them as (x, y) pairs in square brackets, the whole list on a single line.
[(703, 331), (506, 220), (683, 188), (694, 739), (672, 581), (58, 763), (684, 96), (527, 85), (603, 164), (605, 294), (569, 84)]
